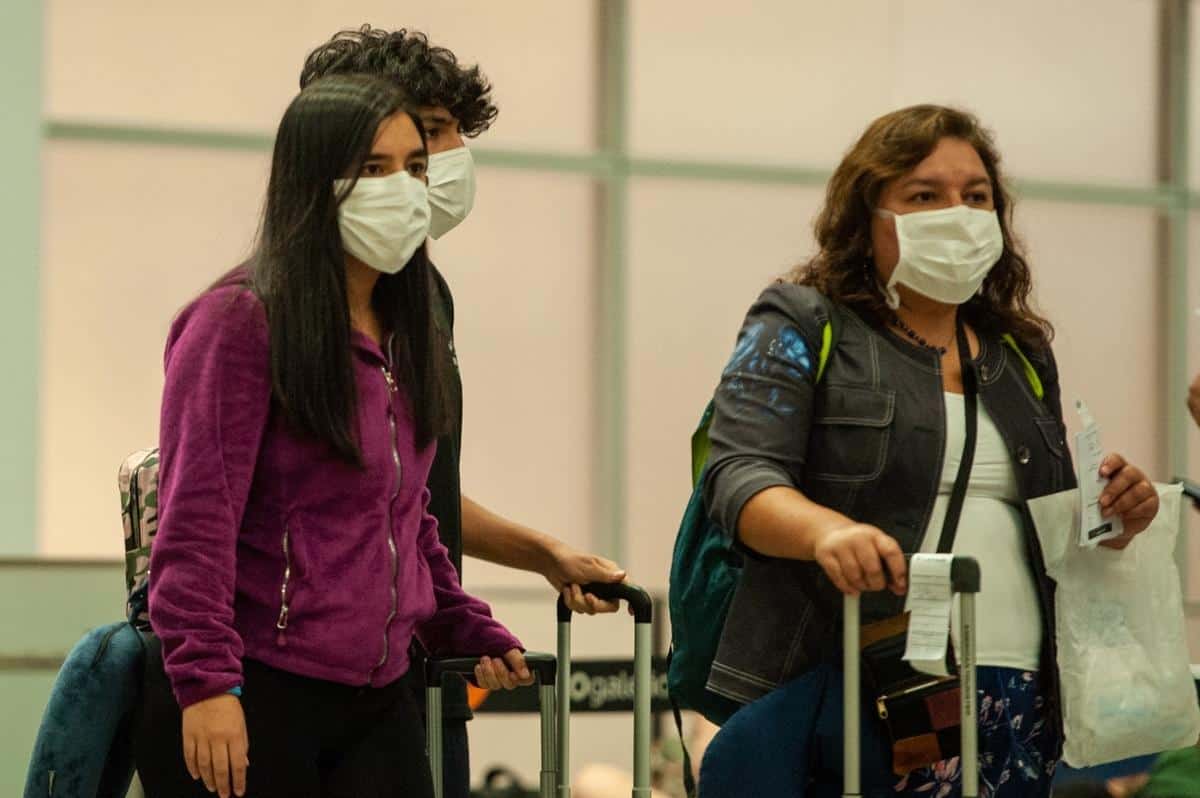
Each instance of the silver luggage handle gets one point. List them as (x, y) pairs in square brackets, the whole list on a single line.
[(964, 580), (544, 669), (643, 612)]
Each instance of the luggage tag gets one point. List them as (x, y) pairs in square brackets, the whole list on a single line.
[(928, 600), (1094, 527)]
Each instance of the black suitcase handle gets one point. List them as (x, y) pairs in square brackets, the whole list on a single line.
[(637, 598), (543, 666)]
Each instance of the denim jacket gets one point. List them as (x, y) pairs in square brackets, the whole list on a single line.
[(867, 440)]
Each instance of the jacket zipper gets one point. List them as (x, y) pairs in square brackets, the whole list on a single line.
[(391, 540), (282, 622)]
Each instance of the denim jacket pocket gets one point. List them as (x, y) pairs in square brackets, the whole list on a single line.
[(850, 433), (1052, 432)]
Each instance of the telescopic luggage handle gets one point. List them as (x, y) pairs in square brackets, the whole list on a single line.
[(545, 671), (643, 613), (964, 580)]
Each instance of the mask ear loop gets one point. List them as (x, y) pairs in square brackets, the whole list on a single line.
[(890, 295)]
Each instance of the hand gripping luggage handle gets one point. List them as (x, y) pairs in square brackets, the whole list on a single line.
[(545, 671), (643, 611), (637, 598), (965, 580), (541, 665)]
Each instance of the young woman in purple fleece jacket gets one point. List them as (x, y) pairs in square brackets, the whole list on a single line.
[(295, 558)]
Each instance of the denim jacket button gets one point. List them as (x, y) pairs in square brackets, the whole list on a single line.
[(1024, 455)]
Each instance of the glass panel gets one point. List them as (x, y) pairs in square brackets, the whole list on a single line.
[(1097, 279), (237, 66), (699, 255), (1193, 98), (1024, 66), (521, 270), (785, 82), (130, 235), (753, 85)]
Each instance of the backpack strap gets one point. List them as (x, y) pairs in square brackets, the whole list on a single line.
[(1031, 374)]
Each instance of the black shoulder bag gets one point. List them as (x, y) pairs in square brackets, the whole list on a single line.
[(919, 712)]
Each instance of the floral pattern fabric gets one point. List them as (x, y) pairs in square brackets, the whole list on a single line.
[(1017, 748)]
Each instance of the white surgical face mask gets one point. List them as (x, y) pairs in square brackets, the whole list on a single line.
[(384, 219), (944, 254), (451, 188)]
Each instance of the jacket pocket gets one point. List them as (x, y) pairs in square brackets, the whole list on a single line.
[(850, 433), (1053, 435)]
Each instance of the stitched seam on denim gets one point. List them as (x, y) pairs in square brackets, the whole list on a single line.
[(858, 421), (727, 692), (931, 499), (886, 338), (879, 466), (797, 641), (1001, 355), (1051, 423), (875, 371), (744, 676)]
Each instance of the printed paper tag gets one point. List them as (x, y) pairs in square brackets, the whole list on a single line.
[(928, 602), (1094, 527)]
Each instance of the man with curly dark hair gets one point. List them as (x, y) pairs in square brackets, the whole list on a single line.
[(455, 100)]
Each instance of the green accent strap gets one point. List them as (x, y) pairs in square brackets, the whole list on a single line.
[(701, 445), (826, 347), (1035, 382)]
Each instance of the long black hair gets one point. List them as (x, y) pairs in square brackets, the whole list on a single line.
[(298, 270)]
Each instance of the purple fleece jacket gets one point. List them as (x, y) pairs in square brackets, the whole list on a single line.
[(272, 548)]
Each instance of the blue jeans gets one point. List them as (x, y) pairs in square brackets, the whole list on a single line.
[(789, 743)]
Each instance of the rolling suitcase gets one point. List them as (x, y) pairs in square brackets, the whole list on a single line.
[(964, 580), (543, 667), (643, 609), (553, 676)]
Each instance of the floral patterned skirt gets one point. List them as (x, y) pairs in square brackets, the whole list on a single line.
[(1016, 745)]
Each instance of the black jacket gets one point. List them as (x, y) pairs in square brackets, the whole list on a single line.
[(866, 440)]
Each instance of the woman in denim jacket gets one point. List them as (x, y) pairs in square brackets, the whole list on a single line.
[(827, 484)]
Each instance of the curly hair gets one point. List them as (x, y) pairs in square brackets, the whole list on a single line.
[(429, 75), (892, 146)]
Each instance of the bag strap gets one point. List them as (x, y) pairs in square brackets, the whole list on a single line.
[(689, 780), (958, 496)]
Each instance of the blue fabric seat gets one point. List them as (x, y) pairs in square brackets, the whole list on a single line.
[(84, 746)]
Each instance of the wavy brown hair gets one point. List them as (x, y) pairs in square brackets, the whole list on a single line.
[(891, 147)]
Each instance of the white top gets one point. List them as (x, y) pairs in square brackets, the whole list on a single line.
[(1007, 614)]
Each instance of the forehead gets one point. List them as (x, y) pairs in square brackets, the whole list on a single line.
[(436, 114), (396, 135), (951, 158)]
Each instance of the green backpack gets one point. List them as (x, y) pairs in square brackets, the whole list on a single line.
[(705, 570)]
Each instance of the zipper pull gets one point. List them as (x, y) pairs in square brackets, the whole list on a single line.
[(881, 708), (391, 381), (281, 625)]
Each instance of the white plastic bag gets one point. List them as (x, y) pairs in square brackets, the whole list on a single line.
[(1127, 686)]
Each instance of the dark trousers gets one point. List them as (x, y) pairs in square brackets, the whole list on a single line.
[(456, 773), (308, 739)]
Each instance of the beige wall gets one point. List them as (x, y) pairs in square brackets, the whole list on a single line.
[(131, 232)]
